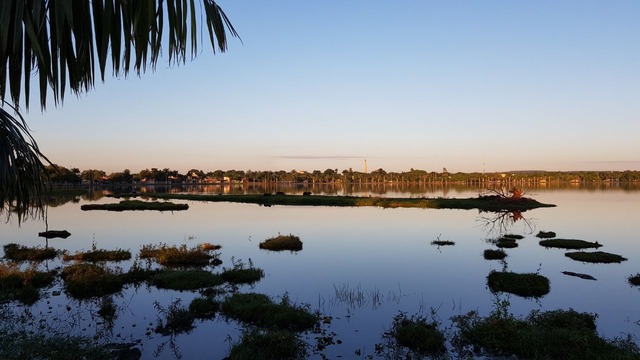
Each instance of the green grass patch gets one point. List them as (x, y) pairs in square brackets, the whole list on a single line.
[(131, 205), (17, 252), (99, 255), (176, 256), (569, 244), (558, 334), (525, 285), (242, 276), (418, 335), (443, 242), (282, 242), (546, 234), (260, 310), (270, 344), (84, 281), (486, 203), (27, 345), (23, 286), (175, 319), (634, 279), (185, 279), (595, 257), (492, 254)]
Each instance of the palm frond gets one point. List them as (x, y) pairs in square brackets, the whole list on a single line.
[(64, 41), (23, 181)]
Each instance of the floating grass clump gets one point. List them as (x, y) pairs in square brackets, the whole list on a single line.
[(546, 234), (526, 285), (175, 256), (506, 243), (596, 257), (185, 279), (418, 335), (258, 309), (99, 255), (486, 203), (83, 281), (16, 252), (491, 254), (513, 236), (282, 242), (24, 285), (269, 344), (209, 247), (443, 242), (131, 205), (634, 279), (242, 276), (204, 307), (569, 244), (558, 334), (50, 234)]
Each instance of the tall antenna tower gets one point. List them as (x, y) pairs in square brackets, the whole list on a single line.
[(365, 166)]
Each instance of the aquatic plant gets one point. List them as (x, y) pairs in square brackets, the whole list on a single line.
[(513, 236), (525, 285), (506, 243), (83, 281), (203, 307), (546, 234), (209, 247), (634, 279), (270, 344), (134, 205), (557, 334), (22, 285), (242, 274), (282, 242), (595, 257), (491, 254), (417, 334), (260, 310), (99, 255), (175, 319), (175, 256), (17, 252), (569, 244), (185, 279)]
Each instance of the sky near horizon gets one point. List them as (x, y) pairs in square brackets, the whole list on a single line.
[(470, 86)]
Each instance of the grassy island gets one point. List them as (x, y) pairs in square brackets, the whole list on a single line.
[(485, 203), (130, 205)]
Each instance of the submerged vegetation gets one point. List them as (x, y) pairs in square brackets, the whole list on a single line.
[(417, 334), (569, 244), (282, 242), (487, 203), (131, 205), (271, 344), (595, 257), (525, 285)]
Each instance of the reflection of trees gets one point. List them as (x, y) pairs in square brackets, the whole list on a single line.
[(499, 222)]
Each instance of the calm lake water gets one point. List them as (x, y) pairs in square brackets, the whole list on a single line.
[(382, 255)]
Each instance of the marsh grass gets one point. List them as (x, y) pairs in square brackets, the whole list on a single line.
[(99, 255), (175, 256), (558, 334), (85, 280), (443, 242), (185, 279), (22, 285), (27, 345), (595, 257), (136, 205), (525, 285), (513, 236), (269, 344), (546, 234), (491, 254), (260, 310), (506, 243), (175, 319), (204, 307), (209, 247), (282, 242), (108, 310), (17, 252), (417, 334), (569, 244), (241, 275)]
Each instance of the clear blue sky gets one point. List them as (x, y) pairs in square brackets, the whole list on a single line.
[(466, 85)]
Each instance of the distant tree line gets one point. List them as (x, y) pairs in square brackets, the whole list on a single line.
[(61, 175)]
